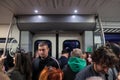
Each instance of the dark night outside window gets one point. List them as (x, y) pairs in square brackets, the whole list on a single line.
[(71, 44)]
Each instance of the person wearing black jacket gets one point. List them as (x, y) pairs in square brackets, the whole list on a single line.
[(64, 58), (43, 60)]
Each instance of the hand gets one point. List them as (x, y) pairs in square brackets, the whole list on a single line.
[(2, 58)]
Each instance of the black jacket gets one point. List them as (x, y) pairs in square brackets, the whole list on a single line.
[(39, 64), (62, 61), (68, 73)]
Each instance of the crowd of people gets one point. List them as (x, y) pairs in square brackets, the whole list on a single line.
[(102, 64)]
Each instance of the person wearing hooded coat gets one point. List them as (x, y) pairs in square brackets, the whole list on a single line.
[(75, 64)]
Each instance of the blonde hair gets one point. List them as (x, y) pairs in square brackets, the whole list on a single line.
[(51, 73), (77, 53)]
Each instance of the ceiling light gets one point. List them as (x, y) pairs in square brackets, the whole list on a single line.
[(75, 11), (36, 11), (73, 16), (39, 16)]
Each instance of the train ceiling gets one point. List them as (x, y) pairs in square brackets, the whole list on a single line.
[(108, 10)]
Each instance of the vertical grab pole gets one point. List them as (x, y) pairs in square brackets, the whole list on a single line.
[(7, 36), (102, 32)]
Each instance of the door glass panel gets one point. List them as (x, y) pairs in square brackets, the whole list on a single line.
[(112, 38), (71, 44)]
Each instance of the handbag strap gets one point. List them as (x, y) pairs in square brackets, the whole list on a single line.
[(56, 61)]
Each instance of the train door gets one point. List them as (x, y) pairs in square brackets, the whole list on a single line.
[(58, 41)]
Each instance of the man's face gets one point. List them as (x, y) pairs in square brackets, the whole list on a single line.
[(101, 68), (43, 51)]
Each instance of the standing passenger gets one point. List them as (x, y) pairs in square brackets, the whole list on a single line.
[(43, 60), (22, 69), (75, 64), (63, 59), (103, 58), (114, 72)]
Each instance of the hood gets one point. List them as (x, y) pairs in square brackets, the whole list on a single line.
[(76, 64)]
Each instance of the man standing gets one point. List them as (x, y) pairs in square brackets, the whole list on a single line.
[(63, 60), (103, 59), (43, 60)]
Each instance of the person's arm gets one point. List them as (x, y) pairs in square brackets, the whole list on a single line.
[(2, 58), (1, 62)]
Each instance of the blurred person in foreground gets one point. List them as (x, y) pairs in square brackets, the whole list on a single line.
[(51, 73), (103, 59), (114, 72)]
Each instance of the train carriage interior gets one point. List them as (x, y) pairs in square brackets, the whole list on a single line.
[(85, 24)]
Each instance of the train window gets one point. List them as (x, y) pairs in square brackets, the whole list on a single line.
[(112, 37), (38, 41), (2, 40), (97, 39), (71, 44)]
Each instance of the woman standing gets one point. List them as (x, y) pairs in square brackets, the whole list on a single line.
[(22, 69)]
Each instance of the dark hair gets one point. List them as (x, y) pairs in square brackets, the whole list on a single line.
[(28, 66), (8, 62), (19, 62), (104, 55), (116, 48), (64, 51), (43, 43), (1, 52), (23, 64)]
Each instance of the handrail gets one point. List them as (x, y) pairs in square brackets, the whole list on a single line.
[(10, 47), (102, 32), (10, 26)]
